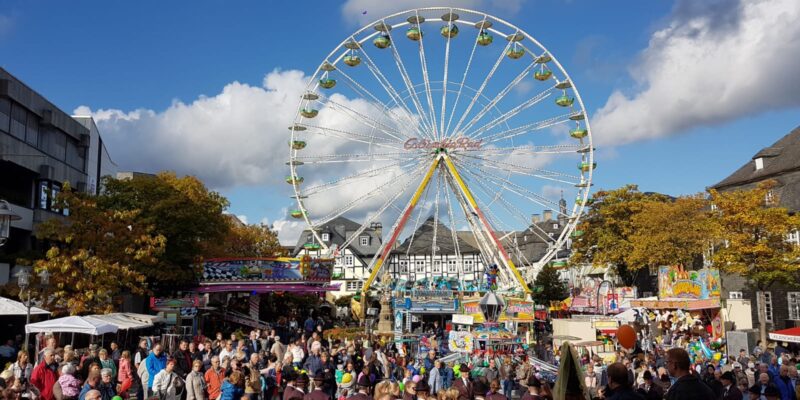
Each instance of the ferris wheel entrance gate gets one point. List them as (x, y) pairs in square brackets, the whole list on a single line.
[(485, 234)]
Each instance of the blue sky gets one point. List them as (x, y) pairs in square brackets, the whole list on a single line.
[(680, 94)]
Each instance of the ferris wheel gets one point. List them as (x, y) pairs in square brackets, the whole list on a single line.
[(449, 116)]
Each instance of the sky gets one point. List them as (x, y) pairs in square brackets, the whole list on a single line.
[(679, 93)]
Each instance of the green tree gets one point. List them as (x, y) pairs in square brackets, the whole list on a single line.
[(183, 210), (96, 255), (548, 286), (607, 229), (752, 240), (671, 233)]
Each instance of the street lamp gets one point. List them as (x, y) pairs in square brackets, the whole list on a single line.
[(24, 283), (6, 216)]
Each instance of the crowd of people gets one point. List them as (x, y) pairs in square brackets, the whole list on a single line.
[(301, 363)]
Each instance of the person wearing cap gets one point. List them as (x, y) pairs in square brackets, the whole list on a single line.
[(422, 389), (363, 389), (463, 384), (319, 388), (298, 389), (534, 386), (687, 386), (729, 389), (480, 388), (649, 389)]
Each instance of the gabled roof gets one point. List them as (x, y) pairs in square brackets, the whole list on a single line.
[(422, 242), (341, 229), (781, 162)]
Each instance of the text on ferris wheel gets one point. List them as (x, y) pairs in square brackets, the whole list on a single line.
[(460, 143)]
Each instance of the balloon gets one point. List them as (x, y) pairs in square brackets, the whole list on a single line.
[(717, 356), (706, 350), (626, 336)]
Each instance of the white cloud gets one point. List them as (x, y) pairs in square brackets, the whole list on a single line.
[(288, 231), (361, 12), (713, 62), (242, 218)]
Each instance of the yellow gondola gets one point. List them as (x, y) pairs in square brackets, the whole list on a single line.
[(327, 83), (294, 180), (543, 75), (586, 167), (515, 52), (485, 39), (382, 42), (414, 33), (578, 133), (449, 31), (309, 113), (298, 144), (565, 101), (352, 60)]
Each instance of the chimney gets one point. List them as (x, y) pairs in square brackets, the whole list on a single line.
[(378, 228), (547, 215), (535, 218)]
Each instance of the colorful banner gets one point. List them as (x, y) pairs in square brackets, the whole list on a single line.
[(460, 342), (473, 307), (587, 294), (166, 303), (281, 269), (674, 282), (518, 311)]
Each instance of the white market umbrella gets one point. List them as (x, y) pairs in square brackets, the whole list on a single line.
[(13, 307), (74, 324)]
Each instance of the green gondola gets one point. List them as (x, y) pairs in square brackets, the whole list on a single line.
[(485, 39), (580, 116), (309, 113), (352, 60), (565, 101), (327, 83), (515, 52), (449, 31), (543, 75), (382, 41), (297, 214), (579, 133), (577, 233), (298, 144), (586, 167), (544, 58), (312, 246), (414, 33), (292, 180)]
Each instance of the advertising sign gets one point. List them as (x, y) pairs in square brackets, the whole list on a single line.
[(473, 307), (460, 342), (674, 282), (281, 269), (518, 311), (166, 303)]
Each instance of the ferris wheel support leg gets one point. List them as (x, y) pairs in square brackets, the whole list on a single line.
[(386, 247), (468, 195)]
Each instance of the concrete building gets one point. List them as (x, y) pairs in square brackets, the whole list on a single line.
[(779, 162), (41, 149)]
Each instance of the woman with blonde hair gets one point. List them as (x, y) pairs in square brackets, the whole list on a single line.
[(125, 376), (196, 383), (107, 362), (22, 368)]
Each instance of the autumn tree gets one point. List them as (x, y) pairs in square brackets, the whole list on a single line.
[(607, 229), (244, 240), (752, 237), (548, 286), (96, 255), (183, 210), (671, 232)]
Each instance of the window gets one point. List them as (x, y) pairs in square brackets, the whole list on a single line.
[(348, 261), (364, 240), (403, 267), (765, 302), (452, 266), (18, 119), (437, 267), (75, 155), (338, 261), (46, 195), (468, 265), (653, 270), (326, 237), (353, 286), (32, 131), (794, 305), (769, 198), (420, 266), (735, 295), (794, 237), (5, 114), (759, 163)]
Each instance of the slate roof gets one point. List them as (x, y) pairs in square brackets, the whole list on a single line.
[(340, 229), (781, 163), (423, 240)]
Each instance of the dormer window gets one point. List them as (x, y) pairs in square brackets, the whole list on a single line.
[(759, 163), (326, 237)]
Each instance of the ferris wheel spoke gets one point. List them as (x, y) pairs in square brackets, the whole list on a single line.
[(511, 113), (463, 79), (424, 63), (370, 122), (527, 128), (390, 203), (480, 90), (521, 170), (366, 196), (531, 150), (395, 96), (497, 98), (444, 80), (356, 176), (352, 136), (347, 158), (419, 210), (409, 84), (522, 191)]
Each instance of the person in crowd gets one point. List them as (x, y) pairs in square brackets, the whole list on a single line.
[(590, 379), (650, 389), (298, 389), (784, 383), (534, 386), (480, 388), (69, 385), (125, 376), (107, 362), (318, 393), (730, 391), (50, 343), (463, 384), (252, 377), (45, 374), (227, 351), (107, 386), (141, 353), (183, 359), (116, 352), (435, 378), (196, 388), (93, 394), (166, 382), (22, 368), (345, 386), (619, 384), (494, 391), (687, 386), (214, 377), (363, 390), (155, 363), (92, 383)]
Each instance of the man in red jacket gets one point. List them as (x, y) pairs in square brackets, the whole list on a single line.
[(45, 374)]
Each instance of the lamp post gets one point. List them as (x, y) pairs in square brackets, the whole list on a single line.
[(6, 216), (24, 283)]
